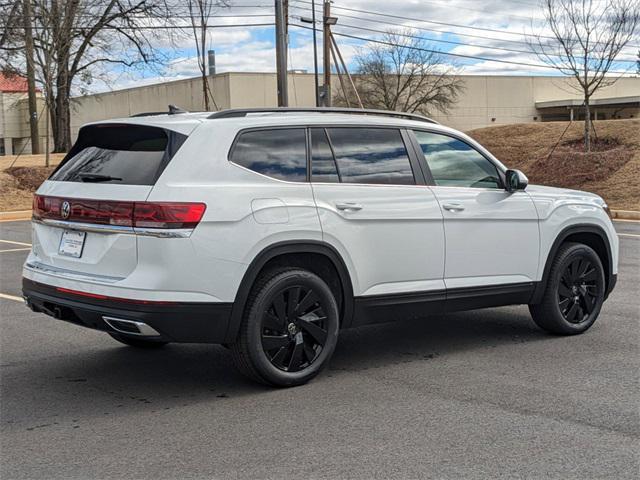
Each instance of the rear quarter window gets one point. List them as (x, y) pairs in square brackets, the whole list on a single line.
[(279, 153), (119, 154)]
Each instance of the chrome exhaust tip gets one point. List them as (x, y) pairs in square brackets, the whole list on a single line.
[(131, 327)]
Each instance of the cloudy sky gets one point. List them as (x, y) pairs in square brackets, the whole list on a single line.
[(489, 30)]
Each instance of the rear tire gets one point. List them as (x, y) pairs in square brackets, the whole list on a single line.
[(574, 292), (289, 330), (138, 342)]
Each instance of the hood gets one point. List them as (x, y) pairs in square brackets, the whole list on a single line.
[(565, 193)]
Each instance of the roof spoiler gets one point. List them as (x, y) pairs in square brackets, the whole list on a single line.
[(172, 110)]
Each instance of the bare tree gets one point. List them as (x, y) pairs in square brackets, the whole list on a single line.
[(587, 37), (200, 12), (73, 39), (402, 73)]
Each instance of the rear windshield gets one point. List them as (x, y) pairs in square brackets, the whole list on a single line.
[(120, 154)]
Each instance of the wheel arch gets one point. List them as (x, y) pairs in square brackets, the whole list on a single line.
[(295, 253), (591, 235)]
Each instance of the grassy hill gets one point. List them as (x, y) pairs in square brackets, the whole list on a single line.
[(611, 170)]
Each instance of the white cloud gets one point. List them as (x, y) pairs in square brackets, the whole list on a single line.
[(245, 49)]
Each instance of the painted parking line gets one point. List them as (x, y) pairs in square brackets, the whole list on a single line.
[(628, 235), (15, 250), (11, 297), (13, 242)]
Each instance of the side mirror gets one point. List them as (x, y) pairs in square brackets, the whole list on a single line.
[(515, 180)]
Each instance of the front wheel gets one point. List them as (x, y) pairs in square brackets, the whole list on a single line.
[(574, 292), (289, 330)]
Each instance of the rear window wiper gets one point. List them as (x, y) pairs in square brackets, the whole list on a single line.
[(96, 177)]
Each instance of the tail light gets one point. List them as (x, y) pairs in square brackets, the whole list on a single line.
[(126, 214)]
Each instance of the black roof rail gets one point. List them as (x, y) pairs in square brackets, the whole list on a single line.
[(243, 112), (172, 110)]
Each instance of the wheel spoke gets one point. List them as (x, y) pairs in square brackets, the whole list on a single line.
[(573, 269), (309, 352), (296, 357), (589, 276), (318, 334), (272, 322), (563, 305), (586, 304), (271, 342), (309, 300), (279, 358), (279, 307), (571, 314), (585, 265), (564, 291), (591, 291), (292, 302)]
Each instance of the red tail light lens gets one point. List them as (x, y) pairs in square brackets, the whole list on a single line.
[(126, 214), (167, 215)]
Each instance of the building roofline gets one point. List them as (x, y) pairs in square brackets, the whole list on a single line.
[(577, 102)]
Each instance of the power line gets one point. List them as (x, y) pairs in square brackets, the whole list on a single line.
[(451, 42), (483, 37), (163, 27), (457, 34), (469, 57), (493, 30)]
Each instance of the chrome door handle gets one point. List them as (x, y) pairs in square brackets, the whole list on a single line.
[(453, 207), (349, 206)]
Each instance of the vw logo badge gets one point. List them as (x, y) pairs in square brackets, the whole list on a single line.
[(65, 210)]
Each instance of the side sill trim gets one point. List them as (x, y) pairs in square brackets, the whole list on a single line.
[(394, 307), (98, 228)]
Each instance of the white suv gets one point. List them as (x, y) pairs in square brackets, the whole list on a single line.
[(270, 230)]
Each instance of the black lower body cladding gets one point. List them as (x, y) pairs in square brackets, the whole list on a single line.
[(175, 322)]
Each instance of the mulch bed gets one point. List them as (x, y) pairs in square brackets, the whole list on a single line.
[(570, 166), (29, 178)]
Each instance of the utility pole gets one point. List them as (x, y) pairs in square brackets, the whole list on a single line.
[(282, 6), (327, 21), (312, 21), (315, 52), (31, 77)]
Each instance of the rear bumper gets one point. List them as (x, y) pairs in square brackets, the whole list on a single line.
[(186, 322)]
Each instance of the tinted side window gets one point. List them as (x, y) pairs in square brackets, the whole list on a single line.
[(454, 163), (323, 165), (371, 155), (278, 153)]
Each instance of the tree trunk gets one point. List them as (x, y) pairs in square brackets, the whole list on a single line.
[(205, 90), (31, 79), (61, 125), (587, 125)]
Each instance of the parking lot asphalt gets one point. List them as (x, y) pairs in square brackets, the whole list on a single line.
[(481, 394)]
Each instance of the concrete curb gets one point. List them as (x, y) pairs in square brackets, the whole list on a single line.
[(625, 215), (15, 216)]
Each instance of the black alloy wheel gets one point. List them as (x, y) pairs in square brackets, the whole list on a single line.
[(578, 290), (574, 291), (294, 329), (289, 329)]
